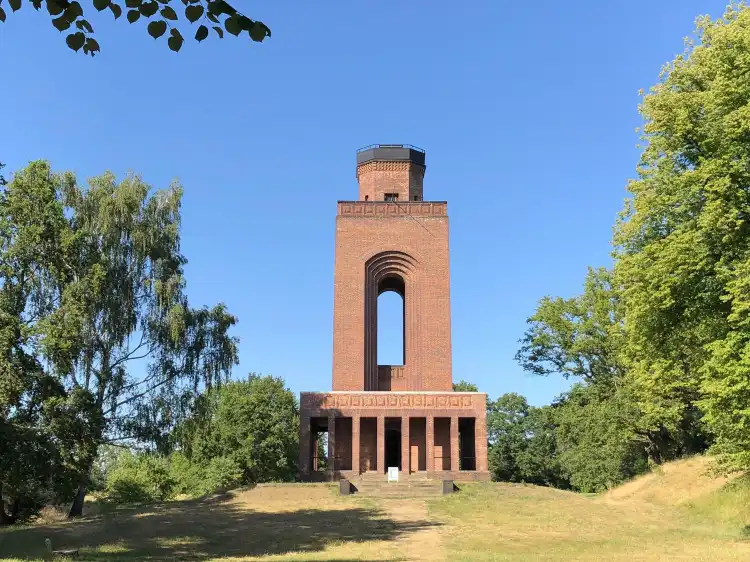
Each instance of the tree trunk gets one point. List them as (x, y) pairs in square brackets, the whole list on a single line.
[(3, 516), (76, 510), (5, 519)]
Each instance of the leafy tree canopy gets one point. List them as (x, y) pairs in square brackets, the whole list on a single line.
[(578, 337), (219, 15), (522, 442), (597, 443), (92, 282), (255, 423), (683, 241), (463, 386)]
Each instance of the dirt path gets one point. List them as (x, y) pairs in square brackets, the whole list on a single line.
[(424, 544)]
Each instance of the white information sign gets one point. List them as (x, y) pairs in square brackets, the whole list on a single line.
[(392, 474)]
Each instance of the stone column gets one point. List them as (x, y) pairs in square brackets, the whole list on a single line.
[(304, 447), (454, 443), (430, 443), (331, 445), (480, 443), (355, 444), (405, 445), (381, 445)]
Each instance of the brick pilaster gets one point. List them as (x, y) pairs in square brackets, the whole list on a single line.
[(430, 442), (454, 443), (405, 448), (480, 445), (355, 444), (381, 444), (331, 444)]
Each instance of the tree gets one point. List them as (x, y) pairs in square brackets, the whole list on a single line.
[(584, 338), (218, 14), (95, 276), (683, 241), (254, 423), (597, 444), (578, 337), (522, 442), (463, 386), (41, 431)]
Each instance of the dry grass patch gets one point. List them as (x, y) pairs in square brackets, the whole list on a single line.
[(289, 522), (672, 484), (657, 519), (680, 513)]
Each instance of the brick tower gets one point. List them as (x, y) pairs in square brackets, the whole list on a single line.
[(406, 415)]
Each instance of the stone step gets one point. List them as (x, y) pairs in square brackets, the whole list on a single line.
[(401, 489), (402, 477)]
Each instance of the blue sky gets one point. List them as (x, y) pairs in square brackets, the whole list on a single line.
[(527, 112)]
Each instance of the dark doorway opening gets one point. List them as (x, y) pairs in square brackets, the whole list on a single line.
[(392, 443), (442, 446), (466, 444)]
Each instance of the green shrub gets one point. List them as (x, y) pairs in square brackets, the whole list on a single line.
[(222, 474), (192, 479), (139, 478)]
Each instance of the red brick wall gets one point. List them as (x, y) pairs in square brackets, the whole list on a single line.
[(378, 178), (319, 407), (409, 240)]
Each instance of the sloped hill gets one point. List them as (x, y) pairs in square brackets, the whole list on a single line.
[(675, 483), (689, 486)]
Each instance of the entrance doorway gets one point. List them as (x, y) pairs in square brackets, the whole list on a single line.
[(392, 443), (466, 444)]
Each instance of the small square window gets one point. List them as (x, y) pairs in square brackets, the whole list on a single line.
[(391, 196), (416, 198)]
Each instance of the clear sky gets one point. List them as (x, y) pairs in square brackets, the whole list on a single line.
[(527, 112)]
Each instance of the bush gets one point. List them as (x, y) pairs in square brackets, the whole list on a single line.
[(139, 478), (253, 422), (191, 479), (222, 474)]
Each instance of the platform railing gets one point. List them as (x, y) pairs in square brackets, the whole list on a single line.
[(371, 146)]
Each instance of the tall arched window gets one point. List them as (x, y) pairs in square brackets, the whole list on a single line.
[(386, 273), (391, 344)]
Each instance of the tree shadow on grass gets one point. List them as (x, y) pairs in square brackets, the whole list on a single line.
[(205, 529)]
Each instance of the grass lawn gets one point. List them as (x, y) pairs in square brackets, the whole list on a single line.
[(676, 514)]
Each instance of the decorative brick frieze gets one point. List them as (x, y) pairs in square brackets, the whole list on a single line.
[(379, 400), (368, 209)]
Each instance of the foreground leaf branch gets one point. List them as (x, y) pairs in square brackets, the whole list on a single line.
[(68, 17)]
